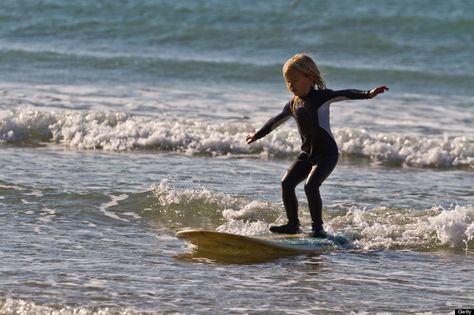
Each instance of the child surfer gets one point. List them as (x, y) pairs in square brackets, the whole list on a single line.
[(319, 153)]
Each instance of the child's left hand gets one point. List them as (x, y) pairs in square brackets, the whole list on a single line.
[(378, 90)]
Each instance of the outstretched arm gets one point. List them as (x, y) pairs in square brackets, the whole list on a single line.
[(270, 125), (353, 94)]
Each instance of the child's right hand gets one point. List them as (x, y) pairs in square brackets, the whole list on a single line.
[(251, 138), (378, 90)]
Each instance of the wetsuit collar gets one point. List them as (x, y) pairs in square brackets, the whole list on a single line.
[(311, 92)]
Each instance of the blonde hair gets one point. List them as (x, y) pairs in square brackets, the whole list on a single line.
[(304, 64)]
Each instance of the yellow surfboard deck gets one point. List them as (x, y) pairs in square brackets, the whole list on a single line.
[(233, 248)]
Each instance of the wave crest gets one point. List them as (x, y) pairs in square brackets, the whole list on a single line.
[(385, 228), (371, 229), (416, 151), (116, 131)]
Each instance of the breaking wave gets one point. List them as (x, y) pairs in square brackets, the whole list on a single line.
[(371, 229), (118, 131)]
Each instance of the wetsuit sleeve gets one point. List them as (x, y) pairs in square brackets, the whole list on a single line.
[(274, 122), (350, 94)]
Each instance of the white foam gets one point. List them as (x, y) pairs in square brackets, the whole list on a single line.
[(114, 202), (117, 131), (240, 215), (409, 150), (244, 227), (454, 227), (25, 123), (24, 307), (251, 219), (384, 228), (167, 195), (254, 210)]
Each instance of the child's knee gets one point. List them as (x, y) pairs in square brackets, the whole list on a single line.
[(311, 187), (287, 183)]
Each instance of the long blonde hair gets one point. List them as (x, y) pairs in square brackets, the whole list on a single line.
[(305, 64)]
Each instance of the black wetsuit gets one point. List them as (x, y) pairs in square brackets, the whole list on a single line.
[(319, 150)]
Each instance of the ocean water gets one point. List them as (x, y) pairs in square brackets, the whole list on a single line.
[(123, 122)]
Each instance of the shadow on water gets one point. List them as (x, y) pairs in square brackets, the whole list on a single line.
[(225, 248), (197, 256)]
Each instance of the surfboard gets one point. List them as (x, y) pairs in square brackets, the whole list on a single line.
[(233, 248)]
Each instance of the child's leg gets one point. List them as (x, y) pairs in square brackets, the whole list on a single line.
[(316, 177), (298, 171)]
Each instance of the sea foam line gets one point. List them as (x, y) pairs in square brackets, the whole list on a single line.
[(112, 203), (118, 131)]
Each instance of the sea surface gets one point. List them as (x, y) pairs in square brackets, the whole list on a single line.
[(123, 122)]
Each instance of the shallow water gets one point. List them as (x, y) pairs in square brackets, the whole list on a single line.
[(90, 243), (121, 125)]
